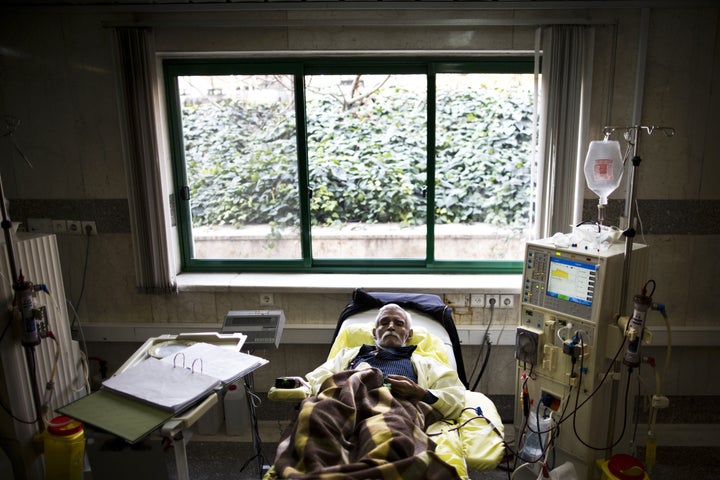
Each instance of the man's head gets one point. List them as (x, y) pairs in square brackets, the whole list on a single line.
[(393, 326)]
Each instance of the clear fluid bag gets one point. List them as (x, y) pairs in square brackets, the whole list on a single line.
[(603, 168)]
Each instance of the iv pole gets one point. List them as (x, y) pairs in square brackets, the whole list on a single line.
[(632, 135), (22, 291)]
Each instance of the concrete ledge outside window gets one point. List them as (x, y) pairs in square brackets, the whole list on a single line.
[(334, 282)]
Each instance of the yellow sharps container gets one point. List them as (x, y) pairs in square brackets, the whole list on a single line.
[(64, 443)]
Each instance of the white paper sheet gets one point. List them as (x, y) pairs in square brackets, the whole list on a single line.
[(159, 383), (224, 364)]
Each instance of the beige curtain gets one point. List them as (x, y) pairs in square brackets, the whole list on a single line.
[(565, 96), (137, 85)]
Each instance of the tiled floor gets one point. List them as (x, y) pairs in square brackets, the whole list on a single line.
[(213, 457), (223, 460), (233, 460)]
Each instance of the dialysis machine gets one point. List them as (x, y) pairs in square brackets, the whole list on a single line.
[(565, 345)]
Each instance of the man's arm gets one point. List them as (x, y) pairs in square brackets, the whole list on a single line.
[(332, 366), (443, 383)]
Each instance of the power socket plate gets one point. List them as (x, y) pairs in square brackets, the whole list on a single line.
[(74, 227), (507, 301), (477, 300), (59, 226), (492, 300), (88, 228)]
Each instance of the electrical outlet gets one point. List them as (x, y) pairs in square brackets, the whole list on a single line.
[(477, 300), (59, 226), (74, 227), (492, 301), (266, 299), (88, 228), (507, 301)]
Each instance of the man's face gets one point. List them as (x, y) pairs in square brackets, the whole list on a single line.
[(392, 329)]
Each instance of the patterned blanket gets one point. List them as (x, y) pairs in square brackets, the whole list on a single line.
[(355, 429)]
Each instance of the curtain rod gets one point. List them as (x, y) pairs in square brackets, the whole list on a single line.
[(353, 22), (448, 54), (153, 14), (140, 6)]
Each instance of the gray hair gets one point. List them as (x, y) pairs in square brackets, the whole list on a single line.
[(394, 306)]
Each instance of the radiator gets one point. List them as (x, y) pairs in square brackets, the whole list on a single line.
[(38, 259), (40, 263)]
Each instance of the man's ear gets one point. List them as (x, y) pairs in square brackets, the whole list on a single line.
[(410, 334)]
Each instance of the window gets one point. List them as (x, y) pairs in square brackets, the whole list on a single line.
[(327, 165)]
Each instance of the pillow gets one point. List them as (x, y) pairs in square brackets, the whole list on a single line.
[(355, 335)]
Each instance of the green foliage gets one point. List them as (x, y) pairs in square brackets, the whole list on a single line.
[(367, 163), (483, 154), (241, 164)]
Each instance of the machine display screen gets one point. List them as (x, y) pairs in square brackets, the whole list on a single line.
[(571, 281)]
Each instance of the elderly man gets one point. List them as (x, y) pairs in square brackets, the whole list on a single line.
[(412, 377), (368, 411)]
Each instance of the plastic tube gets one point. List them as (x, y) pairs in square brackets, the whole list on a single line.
[(651, 442)]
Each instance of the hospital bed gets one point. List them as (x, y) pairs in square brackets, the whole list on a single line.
[(474, 440)]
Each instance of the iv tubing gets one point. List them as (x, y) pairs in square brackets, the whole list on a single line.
[(651, 442)]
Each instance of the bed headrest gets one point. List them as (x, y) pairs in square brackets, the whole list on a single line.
[(429, 304)]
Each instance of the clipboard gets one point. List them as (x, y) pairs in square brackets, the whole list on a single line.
[(132, 419), (117, 414)]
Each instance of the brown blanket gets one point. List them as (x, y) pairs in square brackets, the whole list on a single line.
[(355, 429)]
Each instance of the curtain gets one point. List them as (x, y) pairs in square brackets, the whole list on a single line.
[(565, 97), (567, 56), (147, 215)]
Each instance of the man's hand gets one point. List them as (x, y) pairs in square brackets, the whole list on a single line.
[(403, 387)]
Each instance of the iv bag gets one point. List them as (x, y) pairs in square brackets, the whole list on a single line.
[(603, 168)]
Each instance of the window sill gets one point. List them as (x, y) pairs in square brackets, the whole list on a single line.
[(342, 283)]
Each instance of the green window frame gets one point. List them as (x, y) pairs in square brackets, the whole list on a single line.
[(298, 68)]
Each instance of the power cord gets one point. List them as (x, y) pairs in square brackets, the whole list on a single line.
[(485, 345), (88, 232)]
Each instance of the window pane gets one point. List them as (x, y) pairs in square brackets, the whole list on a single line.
[(484, 188), (367, 165), (240, 148)]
